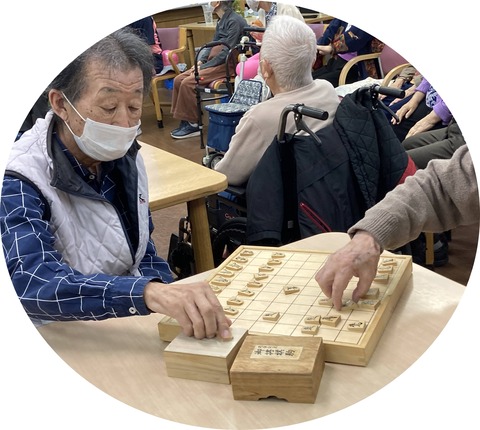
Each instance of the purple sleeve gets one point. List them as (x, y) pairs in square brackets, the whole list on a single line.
[(442, 110), (440, 107), (423, 86)]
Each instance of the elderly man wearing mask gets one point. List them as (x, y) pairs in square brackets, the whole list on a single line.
[(75, 220)]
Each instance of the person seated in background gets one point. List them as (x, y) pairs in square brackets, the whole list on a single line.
[(340, 43), (211, 65), (440, 143), (422, 148), (250, 66), (421, 111), (147, 28), (407, 80), (75, 220), (441, 197), (265, 11), (287, 54)]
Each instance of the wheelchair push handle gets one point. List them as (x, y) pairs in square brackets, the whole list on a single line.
[(312, 112), (216, 43), (299, 110), (249, 29), (206, 46), (387, 91), (376, 89)]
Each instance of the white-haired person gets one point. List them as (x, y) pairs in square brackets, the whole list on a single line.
[(249, 69), (288, 51)]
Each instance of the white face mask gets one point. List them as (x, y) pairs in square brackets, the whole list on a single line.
[(103, 142), (253, 4)]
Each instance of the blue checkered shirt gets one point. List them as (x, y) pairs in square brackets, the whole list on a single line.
[(48, 288)]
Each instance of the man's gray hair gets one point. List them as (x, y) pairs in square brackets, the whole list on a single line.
[(290, 46), (122, 50), (226, 4)]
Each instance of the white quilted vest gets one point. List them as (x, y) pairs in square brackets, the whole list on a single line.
[(88, 232)]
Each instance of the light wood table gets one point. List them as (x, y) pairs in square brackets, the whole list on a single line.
[(204, 33), (173, 180), (124, 358), (199, 33)]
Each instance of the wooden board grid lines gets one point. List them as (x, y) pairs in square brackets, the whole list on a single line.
[(288, 300)]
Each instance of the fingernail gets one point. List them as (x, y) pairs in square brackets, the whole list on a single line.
[(226, 334)]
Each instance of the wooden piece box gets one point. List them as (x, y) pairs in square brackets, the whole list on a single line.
[(286, 367), (168, 329), (203, 360)]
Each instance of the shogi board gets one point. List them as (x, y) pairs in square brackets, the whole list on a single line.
[(288, 300)]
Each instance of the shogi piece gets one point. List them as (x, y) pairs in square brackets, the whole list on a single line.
[(203, 359), (286, 367)]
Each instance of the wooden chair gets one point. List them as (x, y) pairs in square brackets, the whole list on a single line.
[(385, 62), (174, 42), (342, 80), (392, 74), (222, 88), (429, 250)]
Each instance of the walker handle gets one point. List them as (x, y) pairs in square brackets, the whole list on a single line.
[(388, 91), (312, 112)]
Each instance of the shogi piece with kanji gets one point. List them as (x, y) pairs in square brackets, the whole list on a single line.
[(286, 367)]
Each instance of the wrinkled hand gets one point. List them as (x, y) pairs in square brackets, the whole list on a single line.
[(195, 307), (426, 123), (404, 112), (324, 49), (358, 258)]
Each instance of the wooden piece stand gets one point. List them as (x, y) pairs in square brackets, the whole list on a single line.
[(285, 367), (203, 360)]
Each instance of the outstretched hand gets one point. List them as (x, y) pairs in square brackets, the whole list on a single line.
[(358, 258), (195, 307)]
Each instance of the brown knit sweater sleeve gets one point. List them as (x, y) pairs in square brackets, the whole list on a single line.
[(436, 199)]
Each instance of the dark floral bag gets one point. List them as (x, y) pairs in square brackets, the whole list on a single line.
[(375, 46)]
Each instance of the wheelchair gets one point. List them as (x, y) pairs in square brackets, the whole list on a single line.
[(235, 218), (227, 211)]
